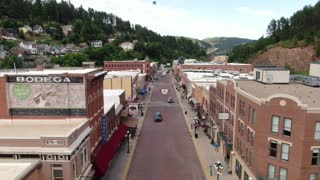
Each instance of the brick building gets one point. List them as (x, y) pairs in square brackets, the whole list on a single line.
[(274, 126), (242, 68), (143, 65), (59, 112)]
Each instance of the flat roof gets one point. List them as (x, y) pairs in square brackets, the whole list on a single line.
[(16, 169), (213, 63), (134, 61), (315, 62), (112, 92), (35, 129), (49, 71), (132, 73), (272, 68), (308, 95)]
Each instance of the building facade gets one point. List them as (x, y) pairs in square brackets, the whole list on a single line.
[(143, 65), (71, 100)]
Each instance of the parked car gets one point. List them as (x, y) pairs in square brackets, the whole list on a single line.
[(157, 117), (170, 100)]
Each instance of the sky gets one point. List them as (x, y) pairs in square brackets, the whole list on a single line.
[(200, 18)]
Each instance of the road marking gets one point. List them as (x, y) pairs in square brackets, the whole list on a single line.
[(204, 169), (133, 148)]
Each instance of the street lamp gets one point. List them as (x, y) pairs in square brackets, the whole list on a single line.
[(140, 107), (219, 167), (195, 122), (128, 135)]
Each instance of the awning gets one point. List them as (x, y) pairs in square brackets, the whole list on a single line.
[(107, 151)]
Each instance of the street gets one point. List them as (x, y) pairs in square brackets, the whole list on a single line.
[(165, 149)]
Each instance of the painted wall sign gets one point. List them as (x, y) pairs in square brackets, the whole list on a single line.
[(49, 95), (54, 142)]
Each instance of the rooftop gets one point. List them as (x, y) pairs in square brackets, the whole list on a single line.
[(315, 62), (47, 72), (16, 169), (272, 68), (213, 63), (307, 95), (132, 73), (35, 129)]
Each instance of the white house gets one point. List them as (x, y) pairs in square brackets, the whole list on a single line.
[(126, 46), (31, 47), (96, 43), (37, 29)]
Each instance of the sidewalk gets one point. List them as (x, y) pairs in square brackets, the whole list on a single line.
[(207, 151), (121, 158)]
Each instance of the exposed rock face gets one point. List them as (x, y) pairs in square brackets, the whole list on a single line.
[(297, 58)]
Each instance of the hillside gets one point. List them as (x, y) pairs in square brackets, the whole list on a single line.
[(91, 25), (294, 58), (224, 44), (291, 42)]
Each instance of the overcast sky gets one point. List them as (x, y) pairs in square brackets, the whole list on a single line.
[(200, 18)]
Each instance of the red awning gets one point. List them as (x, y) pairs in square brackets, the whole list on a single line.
[(107, 151)]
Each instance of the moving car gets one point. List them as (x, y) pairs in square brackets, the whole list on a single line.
[(170, 100), (157, 117)]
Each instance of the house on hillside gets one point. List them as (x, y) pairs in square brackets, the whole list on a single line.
[(67, 29), (37, 29), (10, 32), (70, 48), (58, 50), (25, 29), (96, 44), (29, 46), (43, 49), (18, 51), (83, 46), (126, 46), (3, 53)]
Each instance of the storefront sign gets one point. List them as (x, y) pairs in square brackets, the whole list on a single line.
[(44, 79), (104, 127), (54, 142)]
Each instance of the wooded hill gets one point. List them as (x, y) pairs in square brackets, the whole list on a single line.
[(89, 25), (299, 30)]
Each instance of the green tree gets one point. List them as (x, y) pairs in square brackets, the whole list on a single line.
[(10, 62)]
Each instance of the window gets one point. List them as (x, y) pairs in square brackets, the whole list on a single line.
[(248, 135), (250, 158), (253, 116), (287, 127), (238, 169), (84, 156), (313, 176), (283, 174), (315, 157), (273, 149), (275, 124), (74, 168), (317, 132), (57, 172), (242, 108), (246, 177), (257, 75), (271, 171), (242, 128), (285, 151), (252, 138)]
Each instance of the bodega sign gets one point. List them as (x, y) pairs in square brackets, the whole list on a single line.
[(44, 79)]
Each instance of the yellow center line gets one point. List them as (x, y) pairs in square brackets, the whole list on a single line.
[(204, 169)]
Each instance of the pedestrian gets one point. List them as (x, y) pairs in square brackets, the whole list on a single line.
[(212, 141), (216, 147)]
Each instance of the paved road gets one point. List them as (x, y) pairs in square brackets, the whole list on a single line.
[(165, 150)]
